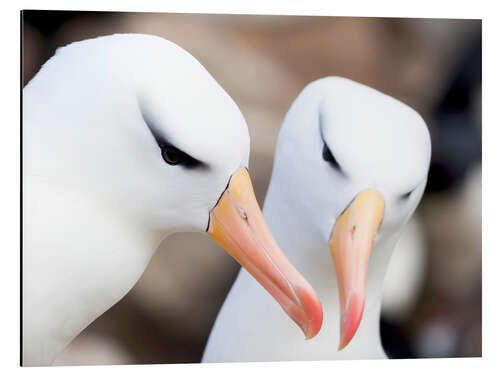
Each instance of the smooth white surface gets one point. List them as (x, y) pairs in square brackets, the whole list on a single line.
[(380, 143), (98, 197)]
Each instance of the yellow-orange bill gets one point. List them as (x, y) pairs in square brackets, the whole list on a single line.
[(237, 224), (350, 245)]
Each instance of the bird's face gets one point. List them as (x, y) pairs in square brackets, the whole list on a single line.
[(164, 144), (364, 158)]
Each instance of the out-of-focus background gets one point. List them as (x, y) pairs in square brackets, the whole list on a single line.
[(432, 302)]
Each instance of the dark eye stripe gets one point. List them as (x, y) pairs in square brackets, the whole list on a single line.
[(407, 195), (171, 154), (328, 156)]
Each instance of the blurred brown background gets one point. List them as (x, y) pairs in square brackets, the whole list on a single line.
[(263, 62)]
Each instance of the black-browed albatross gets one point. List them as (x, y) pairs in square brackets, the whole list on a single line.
[(127, 139), (350, 168)]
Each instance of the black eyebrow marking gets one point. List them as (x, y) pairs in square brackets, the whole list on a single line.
[(164, 144), (327, 153), (328, 156), (407, 195)]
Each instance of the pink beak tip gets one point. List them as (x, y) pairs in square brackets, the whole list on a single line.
[(350, 320), (314, 312)]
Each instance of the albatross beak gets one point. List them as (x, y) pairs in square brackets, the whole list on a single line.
[(237, 224), (350, 245)]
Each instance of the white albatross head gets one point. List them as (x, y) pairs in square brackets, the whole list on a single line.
[(354, 163), (138, 124)]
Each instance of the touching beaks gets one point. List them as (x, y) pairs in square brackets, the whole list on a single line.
[(237, 224), (350, 245)]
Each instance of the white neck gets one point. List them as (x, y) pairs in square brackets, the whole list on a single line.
[(79, 259)]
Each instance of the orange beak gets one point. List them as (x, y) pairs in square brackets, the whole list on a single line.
[(237, 224), (350, 245)]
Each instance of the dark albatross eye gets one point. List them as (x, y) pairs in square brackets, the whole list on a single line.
[(407, 195), (328, 156), (171, 155)]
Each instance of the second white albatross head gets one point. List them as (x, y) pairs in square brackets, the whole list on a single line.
[(354, 162), (137, 123)]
